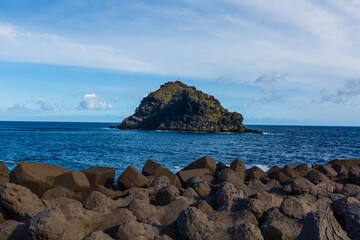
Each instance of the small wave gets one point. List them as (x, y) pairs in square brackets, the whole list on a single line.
[(263, 167), (265, 133)]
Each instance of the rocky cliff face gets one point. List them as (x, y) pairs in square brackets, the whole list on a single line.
[(178, 107)]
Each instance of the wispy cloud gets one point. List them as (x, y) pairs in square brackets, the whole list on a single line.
[(270, 77), (45, 105), (343, 95), (90, 102), (17, 107)]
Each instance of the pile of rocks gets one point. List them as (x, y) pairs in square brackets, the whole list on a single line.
[(204, 200)]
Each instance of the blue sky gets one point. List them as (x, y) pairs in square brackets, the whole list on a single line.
[(276, 62)]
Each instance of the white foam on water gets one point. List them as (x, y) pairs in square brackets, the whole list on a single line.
[(263, 167)]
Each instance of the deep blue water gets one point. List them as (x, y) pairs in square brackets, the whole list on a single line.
[(83, 145)]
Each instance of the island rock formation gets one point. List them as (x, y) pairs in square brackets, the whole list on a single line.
[(178, 107)]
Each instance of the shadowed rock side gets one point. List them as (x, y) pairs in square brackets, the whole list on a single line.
[(204, 200), (178, 107)]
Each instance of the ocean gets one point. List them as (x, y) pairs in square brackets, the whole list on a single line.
[(83, 145)]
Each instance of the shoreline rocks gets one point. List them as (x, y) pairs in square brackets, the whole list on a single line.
[(204, 200)]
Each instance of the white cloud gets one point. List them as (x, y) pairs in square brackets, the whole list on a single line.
[(343, 94), (45, 105), (270, 77), (18, 107), (90, 102)]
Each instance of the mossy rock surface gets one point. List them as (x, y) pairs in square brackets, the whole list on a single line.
[(178, 107)]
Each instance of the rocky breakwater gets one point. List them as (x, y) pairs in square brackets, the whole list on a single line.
[(178, 107), (204, 200)]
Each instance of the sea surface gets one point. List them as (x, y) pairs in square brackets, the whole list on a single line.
[(83, 145)]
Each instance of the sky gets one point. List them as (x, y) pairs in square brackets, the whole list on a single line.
[(275, 62)]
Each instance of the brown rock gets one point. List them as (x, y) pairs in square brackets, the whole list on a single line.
[(279, 227), (98, 235), (255, 206), (74, 180), (321, 225), (160, 182), (273, 168), (60, 192), (227, 196), (4, 174), (204, 162), (186, 174), (98, 202), (255, 173), (115, 218), (302, 186), (166, 195), (131, 177), (293, 208), (280, 176), (239, 167), (270, 200), (12, 230), (245, 231), (352, 221), (20, 202), (351, 190), (113, 194), (174, 180), (151, 168), (229, 175), (340, 169), (52, 224), (348, 163), (202, 188), (301, 170), (132, 230), (327, 170), (104, 176), (190, 193), (316, 177), (354, 174), (38, 177)]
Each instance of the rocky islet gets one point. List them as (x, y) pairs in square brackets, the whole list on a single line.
[(204, 200), (176, 106)]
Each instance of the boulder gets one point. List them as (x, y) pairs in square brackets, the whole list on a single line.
[(204, 162), (255, 173), (276, 226), (131, 177), (174, 180), (98, 235), (52, 224), (229, 175), (327, 170), (193, 224), (270, 200), (73, 180), (160, 182), (351, 190), (348, 163), (98, 202), (38, 177), (316, 177), (151, 168), (255, 206), (104, 176), (239, 167), (60, 192), (115, 218), (340, 169), (133, 230), (322, 225), (166, 195), (186, 174), (280, 176), (4, 174), (352, 220), (246, 231), (20, 202), (227, 196), (301, 170), (202, 188), (13, 230), (302, 186), (354, 174), (294, 208)]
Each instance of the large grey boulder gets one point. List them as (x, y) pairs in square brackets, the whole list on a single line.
[(133, 230), (352, 220), (292, 207), (227, 195), (245, 231)]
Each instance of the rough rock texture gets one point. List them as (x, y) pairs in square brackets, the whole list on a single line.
[(4, 174), (322, 225), (246, 231), (352, 220), (12, 230), (178, 107), (99, 235), (20, 202), (204, 162)]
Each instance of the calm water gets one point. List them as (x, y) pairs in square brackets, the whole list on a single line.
[(83, 145)]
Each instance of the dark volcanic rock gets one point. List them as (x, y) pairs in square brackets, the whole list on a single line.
[(178, 107)]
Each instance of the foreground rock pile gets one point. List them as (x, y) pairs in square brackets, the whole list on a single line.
[(205, 200)]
